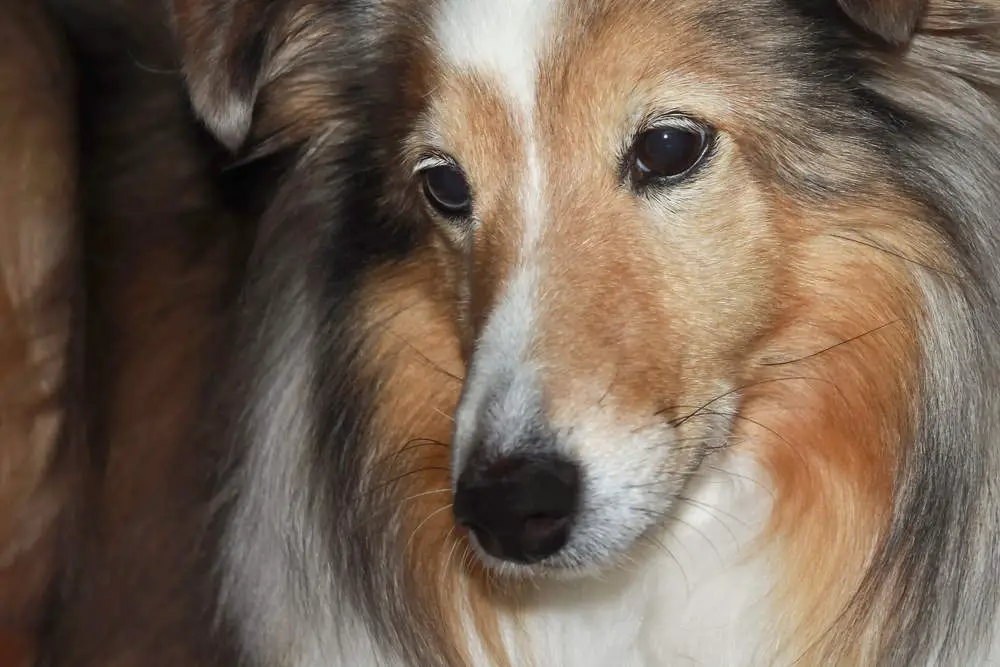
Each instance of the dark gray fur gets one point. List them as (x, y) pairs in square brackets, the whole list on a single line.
[(939, 570)]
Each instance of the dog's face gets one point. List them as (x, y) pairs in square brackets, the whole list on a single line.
[(638, 207), (618, 190), (654, 229)]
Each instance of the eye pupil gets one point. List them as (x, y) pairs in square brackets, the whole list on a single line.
[(447, 190), (667, 153)]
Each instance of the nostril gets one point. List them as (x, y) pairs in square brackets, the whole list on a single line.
[(519, 508)]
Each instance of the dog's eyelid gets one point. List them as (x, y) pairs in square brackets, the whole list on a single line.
[(669, 118), (430, 161)]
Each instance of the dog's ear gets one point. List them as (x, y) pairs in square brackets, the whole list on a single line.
[(893, 20), (223, 46)]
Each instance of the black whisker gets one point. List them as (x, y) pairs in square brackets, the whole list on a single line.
[(893, 253), (614, 378), (832, 347), (678, 421), (409, 445), (427, 360), (735, 415), (409, 473)]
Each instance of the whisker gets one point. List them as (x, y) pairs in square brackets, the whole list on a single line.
[(409, 473), (410, 445), (893, 253), (711, 513), (834, 346), (443, 414), (423, 494), (710, 509), (736, 415), (627, 563), (427, 360), (420, 525), (393, 507), (614, 378), (745, 478), (681, 420), (673, 517), (660, 516), (447, 561), (663, 547)]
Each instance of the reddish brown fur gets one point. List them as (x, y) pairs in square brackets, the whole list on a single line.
[(829, 407)]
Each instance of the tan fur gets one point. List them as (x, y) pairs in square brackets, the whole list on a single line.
[(468, 118), (828, 411), (37, 236), (418, 356)]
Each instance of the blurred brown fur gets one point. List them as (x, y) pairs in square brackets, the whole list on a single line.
[(37, 248)]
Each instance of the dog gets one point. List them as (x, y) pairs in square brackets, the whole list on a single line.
[(564, 333)]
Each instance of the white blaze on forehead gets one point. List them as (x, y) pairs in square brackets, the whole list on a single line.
[(502, 42), (501, 39)]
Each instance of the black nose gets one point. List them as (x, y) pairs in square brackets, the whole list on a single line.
[(520, 508)]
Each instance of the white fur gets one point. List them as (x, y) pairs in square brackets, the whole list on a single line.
[(692, 596), (502, 40), (476, 36), (501, 354), (278, 626)]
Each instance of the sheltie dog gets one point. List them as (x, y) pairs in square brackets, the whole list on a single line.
[(575, 333)]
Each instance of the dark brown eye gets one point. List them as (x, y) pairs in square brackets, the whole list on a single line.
[(668, 153), (447, 190)]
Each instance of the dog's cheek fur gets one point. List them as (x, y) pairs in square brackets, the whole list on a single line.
[(417, 365), (37, 295), (829, 410)]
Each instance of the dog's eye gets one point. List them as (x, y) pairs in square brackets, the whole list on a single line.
[(667, 154), (447, 190)]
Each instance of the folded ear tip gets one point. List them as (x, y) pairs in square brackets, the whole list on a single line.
[(225, 112), (894, 21), (221, 46)]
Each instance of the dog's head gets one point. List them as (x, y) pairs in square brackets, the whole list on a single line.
[(660, 230), (643, 209)]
